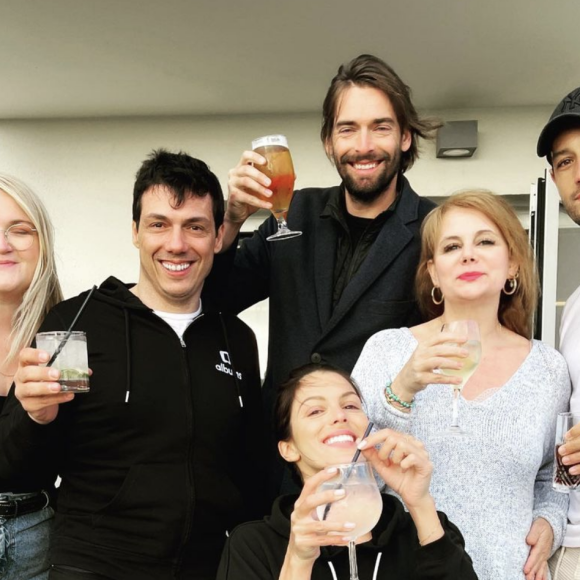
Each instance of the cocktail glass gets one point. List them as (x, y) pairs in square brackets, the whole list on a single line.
[(362, 504), (72, 361)]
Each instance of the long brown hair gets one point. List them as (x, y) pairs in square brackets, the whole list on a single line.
[(516, 311), (367, 70)]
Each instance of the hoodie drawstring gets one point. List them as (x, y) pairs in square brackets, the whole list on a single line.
[(332, 571), (128, 351), (377, 564), (235, 374), (375, 573)]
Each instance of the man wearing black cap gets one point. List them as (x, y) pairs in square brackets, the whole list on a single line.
[(559, 142)]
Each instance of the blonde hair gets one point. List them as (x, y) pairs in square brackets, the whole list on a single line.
[(44, 290), (516, 311)]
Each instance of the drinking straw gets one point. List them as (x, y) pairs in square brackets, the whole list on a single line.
[(349, 471), (70, 329)]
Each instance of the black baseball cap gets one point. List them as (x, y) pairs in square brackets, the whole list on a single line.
[(565, 114)]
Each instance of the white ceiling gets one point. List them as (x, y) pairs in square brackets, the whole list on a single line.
[(77, 58)]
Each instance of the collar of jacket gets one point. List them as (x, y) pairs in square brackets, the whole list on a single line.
[(405, 205)]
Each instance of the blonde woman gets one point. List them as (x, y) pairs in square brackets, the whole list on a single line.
[(29, 287)]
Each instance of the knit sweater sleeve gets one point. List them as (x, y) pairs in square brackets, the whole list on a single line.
[(548, 504), (381, 360)]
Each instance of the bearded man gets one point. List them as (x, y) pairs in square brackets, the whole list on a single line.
[(351, 272)]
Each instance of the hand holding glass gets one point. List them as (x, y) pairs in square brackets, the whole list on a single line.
[(280, 170), (563, 481), (72, 361), (469, 329), (362, 504)]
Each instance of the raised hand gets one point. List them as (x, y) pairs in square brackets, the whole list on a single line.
[(431, 354), (402, 462), (245, 185)]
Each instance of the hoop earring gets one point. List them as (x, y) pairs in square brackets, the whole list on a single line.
[(436, 301), (512, 284)]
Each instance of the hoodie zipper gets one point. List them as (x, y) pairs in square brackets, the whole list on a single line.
[(189, 483)]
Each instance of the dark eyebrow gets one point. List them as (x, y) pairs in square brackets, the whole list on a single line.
[(321, 398), (561, 152), (379, 121), (191, 220)]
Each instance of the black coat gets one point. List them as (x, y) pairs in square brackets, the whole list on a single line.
[(256, 550), (297, 276), (159, 459)]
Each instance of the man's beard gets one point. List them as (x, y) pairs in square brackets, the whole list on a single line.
[(368, 190)]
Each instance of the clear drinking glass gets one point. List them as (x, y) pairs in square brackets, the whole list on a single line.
[(280, 170), (563, 481), (362, 504), (470, 329), (72, 361)]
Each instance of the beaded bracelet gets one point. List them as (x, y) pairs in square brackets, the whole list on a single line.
[(392, 398)]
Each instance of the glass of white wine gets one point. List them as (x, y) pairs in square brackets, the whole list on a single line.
[(470, 330)]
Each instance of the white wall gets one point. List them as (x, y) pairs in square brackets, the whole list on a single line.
[(84, 170)]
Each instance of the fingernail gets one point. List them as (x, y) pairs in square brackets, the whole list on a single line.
[(54, 388), (562, 450), (53, 373), (349, 526), (339, 492), (43, 356), (331, 470), (362, 444)]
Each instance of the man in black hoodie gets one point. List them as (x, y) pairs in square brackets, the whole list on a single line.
[(163, 456)]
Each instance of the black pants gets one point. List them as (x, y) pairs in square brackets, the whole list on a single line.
[(70, 573)]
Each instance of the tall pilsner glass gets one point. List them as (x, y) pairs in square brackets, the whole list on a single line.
[(280, 170)]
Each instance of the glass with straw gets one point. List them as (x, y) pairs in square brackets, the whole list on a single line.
[(362, 503)]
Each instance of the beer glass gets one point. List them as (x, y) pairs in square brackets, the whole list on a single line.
[(470, 329), (280, 170)]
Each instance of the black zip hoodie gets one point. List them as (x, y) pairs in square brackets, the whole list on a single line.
[(160, 458), (256, 550)]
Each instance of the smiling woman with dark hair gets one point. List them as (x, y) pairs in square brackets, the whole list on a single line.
[(319, 421)]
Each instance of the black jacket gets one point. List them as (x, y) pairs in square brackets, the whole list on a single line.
[(256, 550), (159, 459), (297, 276)]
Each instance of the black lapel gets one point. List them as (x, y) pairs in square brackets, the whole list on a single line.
[(324, 260), (391, 241)]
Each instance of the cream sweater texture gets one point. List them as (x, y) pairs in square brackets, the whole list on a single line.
[(495, 482)]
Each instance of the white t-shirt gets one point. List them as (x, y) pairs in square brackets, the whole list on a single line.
[(179, 321), (570, 348)]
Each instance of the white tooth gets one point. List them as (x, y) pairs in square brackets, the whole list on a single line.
[(175, 267), (365, 165), (339, 439)]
